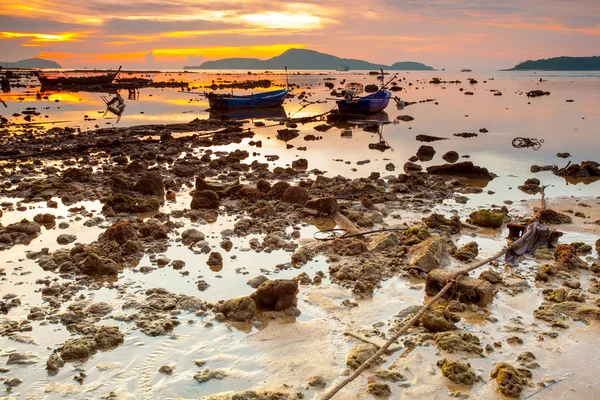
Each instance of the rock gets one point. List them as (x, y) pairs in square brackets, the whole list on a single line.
[(65, 239), (379, 389), (207, 375), (77, 349), (276, 295), (108, 337), (99, 309), (54, 363), (324, 205), (301, 163), (526, 357), (425, 153), (120, 232), (464, 169), (45, 219), (509, 380), (492, 277), (566, 258), (359, 354), (412, 167), (578, 311), (26, 227), (438, 221), (558, 295), (552, 217), (296, 195), (13, 382), (122, 203), (436, 320), (450, 156), (257, 281), (427, 138), (467, 252), (215, 259), (458, 372), (205, 199), (151, 183), (22, 358), (405, 118), (469, 290), (458, 342), (240, 309), (166, 369), (486, 219), (317, 381), (431, 254), (192, 236), (391, 375), (94, 265)]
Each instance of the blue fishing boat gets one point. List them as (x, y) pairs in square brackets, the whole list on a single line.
[(229, 101), (370, 104)]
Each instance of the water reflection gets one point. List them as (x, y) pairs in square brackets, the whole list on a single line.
[(249, 114)]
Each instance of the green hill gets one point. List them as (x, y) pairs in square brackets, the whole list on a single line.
[(302, 59), (31, 63), (560, 64)]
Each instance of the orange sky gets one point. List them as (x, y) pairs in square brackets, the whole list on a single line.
[(452, 34)]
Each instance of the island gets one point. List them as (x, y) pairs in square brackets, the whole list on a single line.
[(560, 64), (304, 59), (31, 63)]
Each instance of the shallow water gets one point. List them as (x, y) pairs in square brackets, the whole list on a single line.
[(289, 353)]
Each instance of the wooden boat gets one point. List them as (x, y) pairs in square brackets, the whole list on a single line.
[(466, 70), (273, 98), (370, 104), (343, 68), (84, 79)]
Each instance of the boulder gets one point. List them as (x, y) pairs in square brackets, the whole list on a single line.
[(45, 219), (151, 183), (205, 199), (486, 219), (566, 258), (551, 217), (359, 354), (450, 156), (65, 239), (296, 195), (240, 309), (276, 295), (301, 163), (458, 372), (468, 289), (463, 169), (431, 254), (97, 266), (108, 337), (437, 320), (425, 153), (467, 252), (77, 349), (510, 380), (412, 167), (26, 227), (324, 205), (578, 311), (120, 232)]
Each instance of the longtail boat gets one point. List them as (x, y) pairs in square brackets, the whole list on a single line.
[(370, 104), (273, 98), (86, 78)]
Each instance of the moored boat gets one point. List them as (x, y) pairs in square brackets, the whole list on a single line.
[(370, 104), (273, 98), (82, 79), (343, 68), (466, 70)]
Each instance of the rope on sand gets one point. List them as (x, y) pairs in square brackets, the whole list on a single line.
[(335, 389)]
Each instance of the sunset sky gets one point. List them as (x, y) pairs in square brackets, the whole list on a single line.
[(452, 34)]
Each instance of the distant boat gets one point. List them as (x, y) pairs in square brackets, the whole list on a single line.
[(370, 104), (54, 80), (466, 70), (343, 68), (228, 101)]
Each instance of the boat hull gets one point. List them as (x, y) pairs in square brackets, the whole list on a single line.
[(370, 104), (261, 100), (96, 80)]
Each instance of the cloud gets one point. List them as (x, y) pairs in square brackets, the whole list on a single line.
[(149, 58), (193, 60)]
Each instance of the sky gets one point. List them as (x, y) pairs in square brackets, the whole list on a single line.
[(451, 34)]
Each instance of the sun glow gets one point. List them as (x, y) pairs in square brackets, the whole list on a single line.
[(41, 37), (283, 20)]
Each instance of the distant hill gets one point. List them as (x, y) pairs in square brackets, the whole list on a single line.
[(560, 64), (31, 63), (299, 59)]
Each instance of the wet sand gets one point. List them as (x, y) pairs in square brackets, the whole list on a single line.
[(282, 353)]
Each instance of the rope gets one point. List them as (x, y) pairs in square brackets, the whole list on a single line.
[(334, 390)]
